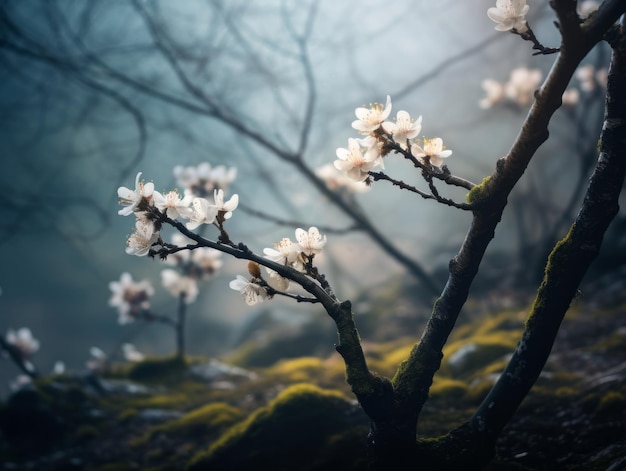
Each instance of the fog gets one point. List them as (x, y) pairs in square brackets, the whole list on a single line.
[(94, 92)]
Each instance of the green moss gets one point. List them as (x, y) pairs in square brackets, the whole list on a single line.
[(554, 265), (614, 344), (127, 415), (293, 429), (86, 433), (166, 369), (174, 400), (116, 467), (612, 403), (479, 193), (448, 388), (209, 421)]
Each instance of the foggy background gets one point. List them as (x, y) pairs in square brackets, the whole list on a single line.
[(94, 91)]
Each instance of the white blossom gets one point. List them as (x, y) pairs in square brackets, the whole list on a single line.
[(370, 119), (433, 151), (203, 213), (509, 14), (284, 252), (404, 128), (311, 241), (172, 204), (142, 239), (226, 208), (130, 297), (357, 161), (133, 198), (252, 293)]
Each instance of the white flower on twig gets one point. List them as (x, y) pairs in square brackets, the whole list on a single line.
[(433, 151), (133, 198), (371, 118), (252, 293), (509, 15)]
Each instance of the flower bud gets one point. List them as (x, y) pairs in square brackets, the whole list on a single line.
[(254, 269)]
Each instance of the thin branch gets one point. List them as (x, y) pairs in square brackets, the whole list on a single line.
[(529, 35), (432, 196)]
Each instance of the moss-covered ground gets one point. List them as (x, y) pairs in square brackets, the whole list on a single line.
[(298, 414)]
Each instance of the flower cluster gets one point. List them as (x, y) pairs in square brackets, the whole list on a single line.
[(510, 15), (203, 180), (364, 154), (196, 209), (297, 255)]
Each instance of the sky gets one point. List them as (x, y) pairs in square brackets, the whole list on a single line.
[(94, 92)]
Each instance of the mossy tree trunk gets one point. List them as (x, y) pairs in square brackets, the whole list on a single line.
[(394, 406)]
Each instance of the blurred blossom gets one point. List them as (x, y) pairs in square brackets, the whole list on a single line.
[(586, 77), (495, 93), (183, 256), (335, 180), (370, 119), (602, 76), (570, 97), (178, 284), (207, 261), (519, 89), (433, 149), (202, 180), (586, 7), (131, 353), (133, 198), (130, 297), (20, 382), (509, 14), (522, 85), (23, 341), (58, 368), (98, 361)]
